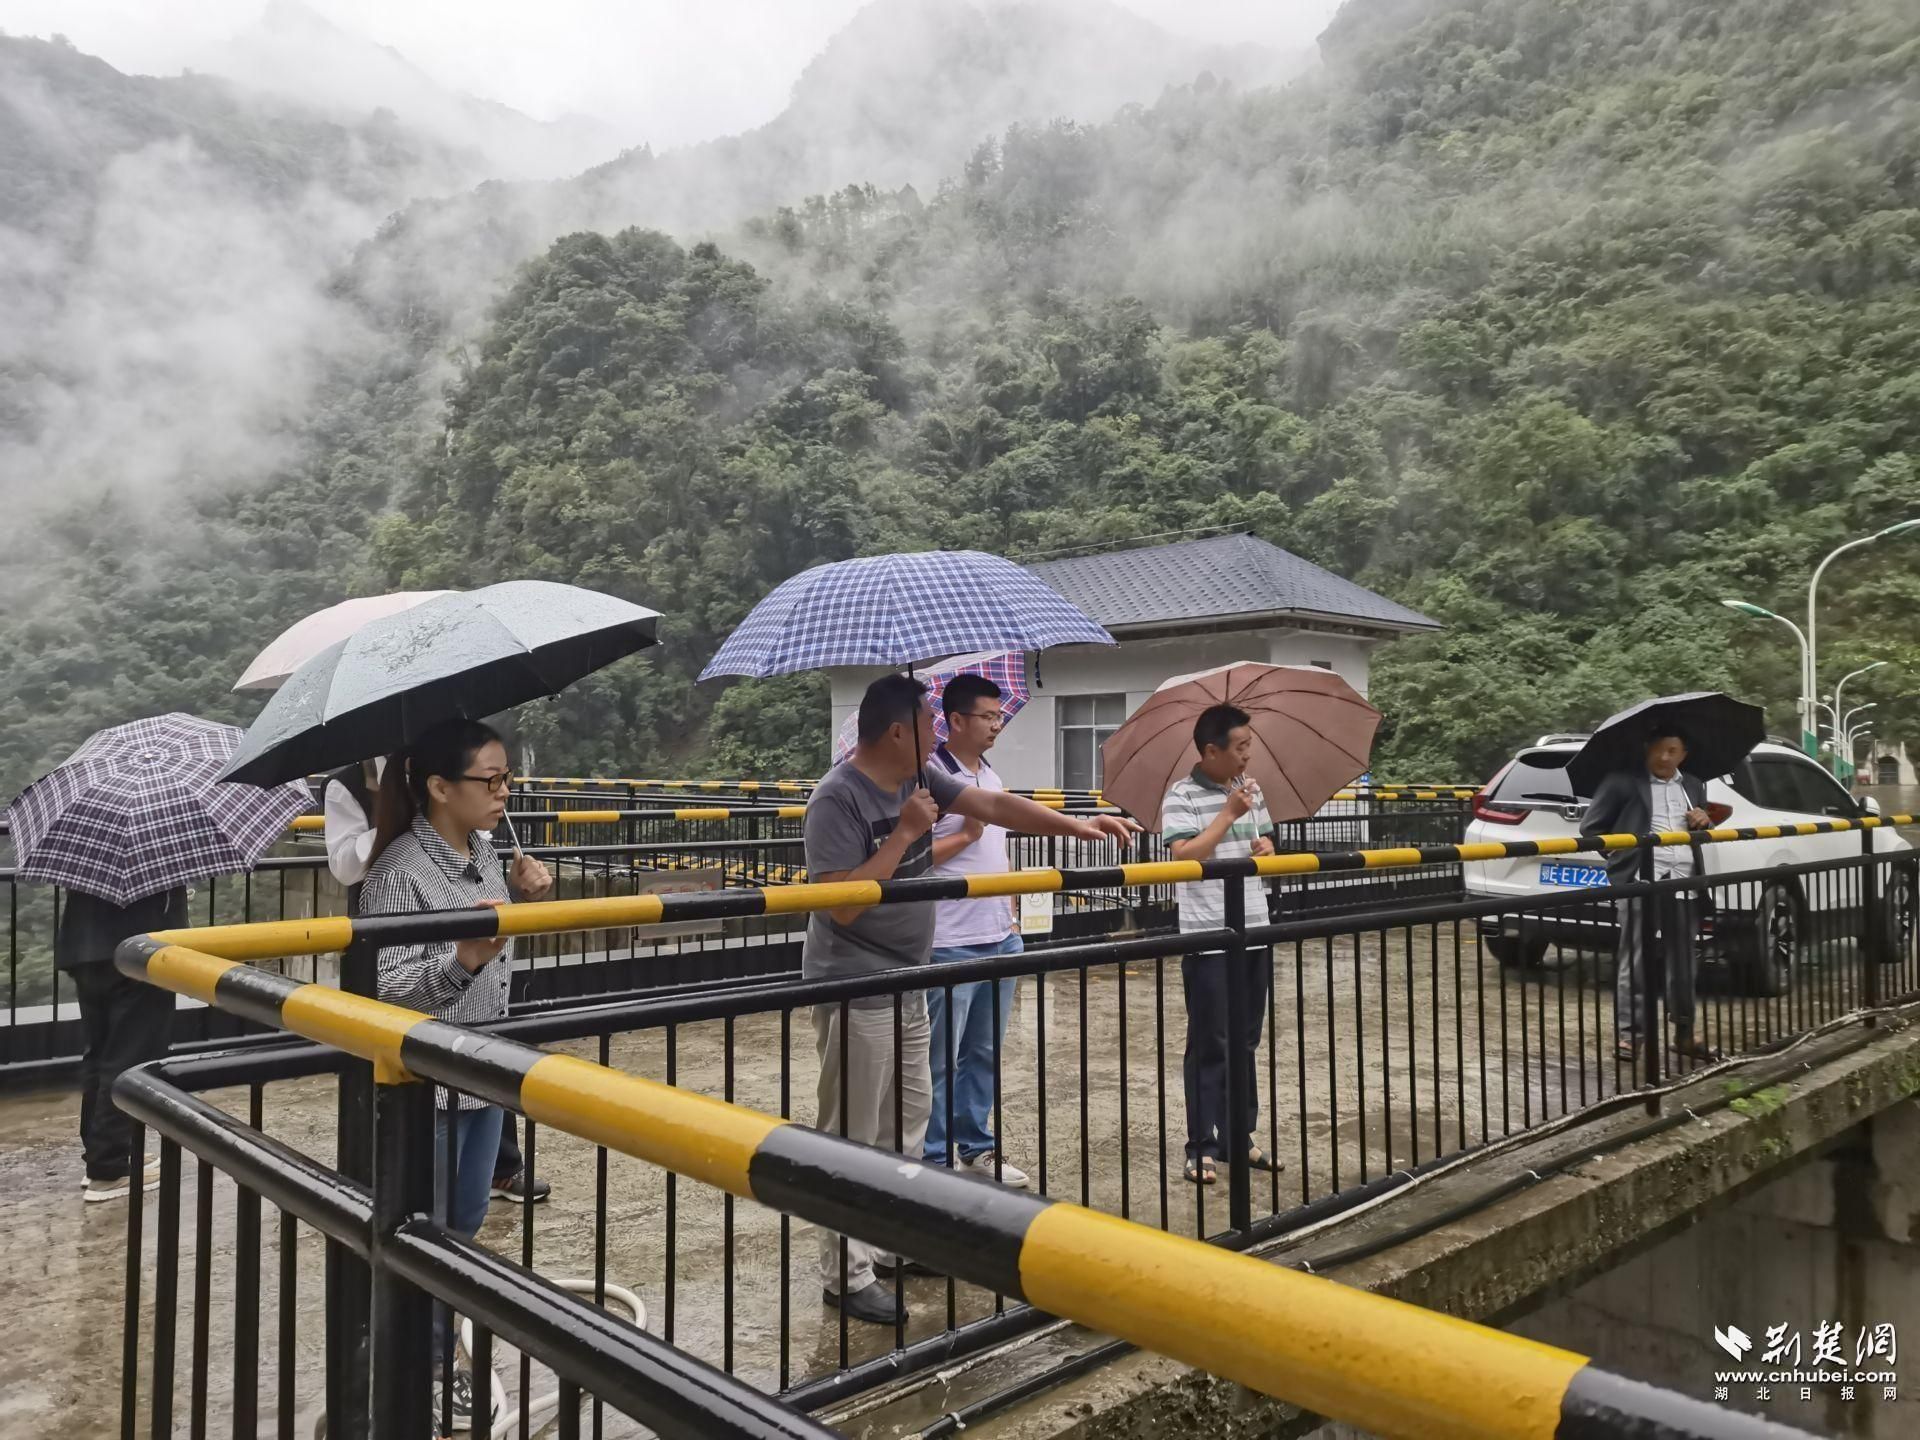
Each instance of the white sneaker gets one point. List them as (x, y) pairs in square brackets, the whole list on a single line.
[(982, 1165), (95, 1191)]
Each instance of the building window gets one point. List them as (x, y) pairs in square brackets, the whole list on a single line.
[(1085, 721), (1323, 664)]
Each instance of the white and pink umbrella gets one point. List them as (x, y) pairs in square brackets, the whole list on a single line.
[(1007, 669), (304, 639)]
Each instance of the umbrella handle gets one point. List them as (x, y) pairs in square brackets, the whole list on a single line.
[(513, 835)]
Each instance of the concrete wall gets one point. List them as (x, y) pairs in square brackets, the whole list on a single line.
[(1830, 1242), (1026, 755)]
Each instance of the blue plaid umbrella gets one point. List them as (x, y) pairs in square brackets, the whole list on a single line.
[(137, 810), (900, 610)]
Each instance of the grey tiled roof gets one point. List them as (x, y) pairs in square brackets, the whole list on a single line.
[(1223, 576)]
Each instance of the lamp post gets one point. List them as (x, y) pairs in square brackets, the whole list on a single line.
[(1811, 685), (1854, 737), (1839, 691), (1809, 739)]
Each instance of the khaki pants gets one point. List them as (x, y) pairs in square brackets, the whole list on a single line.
[(869, 1089)]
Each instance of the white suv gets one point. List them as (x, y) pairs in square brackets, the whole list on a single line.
[(1762, 929)]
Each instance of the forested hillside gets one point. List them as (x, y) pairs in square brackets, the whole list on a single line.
[(1557, 321)]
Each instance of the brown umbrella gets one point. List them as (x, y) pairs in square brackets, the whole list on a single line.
[(1312, 734)]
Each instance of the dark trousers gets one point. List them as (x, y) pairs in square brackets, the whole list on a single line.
[(507, 1164), (1676, 920), (127, 1022), (1204, 979)]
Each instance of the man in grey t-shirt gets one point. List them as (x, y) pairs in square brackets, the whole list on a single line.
[(869, 819)]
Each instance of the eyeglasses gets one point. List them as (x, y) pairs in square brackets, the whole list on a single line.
[(496, 784), (978, 715)]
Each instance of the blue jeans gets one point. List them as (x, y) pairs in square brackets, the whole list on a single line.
[(966, 1050), (460, 1205)]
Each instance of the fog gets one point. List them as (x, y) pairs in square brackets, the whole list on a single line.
[(652, 71), (186, 261)]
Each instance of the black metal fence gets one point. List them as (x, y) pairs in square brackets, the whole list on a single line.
[(655, 848), (1389, 1043)]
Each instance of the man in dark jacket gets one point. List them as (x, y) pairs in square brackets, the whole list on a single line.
[(127, 1022), (1654, 798)]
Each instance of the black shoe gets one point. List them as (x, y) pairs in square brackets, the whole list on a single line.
[(462, 1388), (515, 1187), (907, 1267), (872, 1303)]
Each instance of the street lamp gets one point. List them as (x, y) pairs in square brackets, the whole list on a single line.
[(1846, 724), (1809, 741), (1854, 737), (1811, 685), (1840, 689)]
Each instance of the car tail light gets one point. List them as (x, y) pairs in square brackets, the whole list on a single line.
[(1482, 803), (1718, 814)]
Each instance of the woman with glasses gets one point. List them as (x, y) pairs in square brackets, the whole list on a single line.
[(439, 799)]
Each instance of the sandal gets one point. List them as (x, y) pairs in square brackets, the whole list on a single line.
[(1201, 1172), (1697, 1050), (1257, 1160), (1626, 1050)]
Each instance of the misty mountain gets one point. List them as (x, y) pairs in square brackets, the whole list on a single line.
[(292, 51), (167, 248), (900, 97), (908, 90), (1558, 323)]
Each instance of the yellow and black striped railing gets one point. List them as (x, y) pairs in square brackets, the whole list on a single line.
[(1391, 1367), (1421, 791), (679, 813), (843, 895), (555, 782)]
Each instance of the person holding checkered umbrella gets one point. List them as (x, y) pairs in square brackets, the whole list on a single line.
[(872, 817), (124, 825)]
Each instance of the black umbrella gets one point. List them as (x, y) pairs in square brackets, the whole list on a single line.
[(471, 654), (1719, 730)]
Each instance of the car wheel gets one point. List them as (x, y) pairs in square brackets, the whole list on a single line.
[(1898, 915), (1772, 941), (1513, 951)]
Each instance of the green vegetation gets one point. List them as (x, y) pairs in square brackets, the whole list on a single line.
[(1558, 321)]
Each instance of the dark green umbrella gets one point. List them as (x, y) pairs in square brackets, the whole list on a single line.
[(465, 654)]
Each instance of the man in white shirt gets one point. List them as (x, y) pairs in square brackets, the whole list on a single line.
[(1658, 798), (1215, 812), (966, 1037)]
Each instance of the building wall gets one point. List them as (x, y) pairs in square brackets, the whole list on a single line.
[(1902, 765), (1026, 755)]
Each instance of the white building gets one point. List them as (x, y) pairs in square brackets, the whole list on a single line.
[(1174, 609)]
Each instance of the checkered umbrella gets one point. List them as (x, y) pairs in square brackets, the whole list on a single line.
[(900, 610), (137, 810), (1009, 672)]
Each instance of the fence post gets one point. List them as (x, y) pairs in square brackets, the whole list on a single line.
[(1652, 1031), (1233, 1136), (348, 1286), (402, 1315), (1872, 922)]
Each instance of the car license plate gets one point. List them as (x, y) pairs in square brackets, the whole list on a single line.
[(1573, 876)]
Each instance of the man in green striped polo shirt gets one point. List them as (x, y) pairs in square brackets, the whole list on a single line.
[(1215, 812)]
